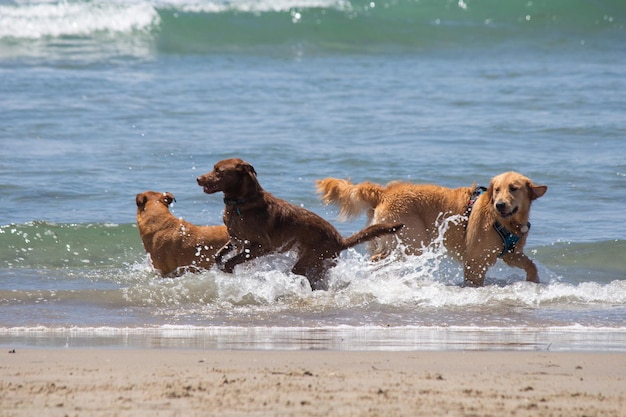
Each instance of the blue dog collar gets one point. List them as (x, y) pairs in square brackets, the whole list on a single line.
[(508, 238)]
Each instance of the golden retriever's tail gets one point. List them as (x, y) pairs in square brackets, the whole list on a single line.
[(371, 232), (352, 199)]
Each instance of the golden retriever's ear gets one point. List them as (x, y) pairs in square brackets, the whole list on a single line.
[(168, 198), (536, 191), (489, 191), (141, 199)]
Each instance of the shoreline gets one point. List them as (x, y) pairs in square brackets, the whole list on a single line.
[(574, 338), (173, 382)]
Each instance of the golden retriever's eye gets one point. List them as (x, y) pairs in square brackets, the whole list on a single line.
[(497, 189), (513, 188)]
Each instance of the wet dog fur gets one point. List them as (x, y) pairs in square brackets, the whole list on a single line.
[(175, 245), (471, 239), (259, 224)]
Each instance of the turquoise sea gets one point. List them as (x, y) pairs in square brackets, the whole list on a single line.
[(101, 100)]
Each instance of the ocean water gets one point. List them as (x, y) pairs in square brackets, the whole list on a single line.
[(101, 100)]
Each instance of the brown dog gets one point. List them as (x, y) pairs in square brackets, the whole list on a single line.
[(259, 224), (175, 245), (481, 224)]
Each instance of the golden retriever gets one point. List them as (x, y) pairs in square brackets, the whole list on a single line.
[(480, 224), (259, 223), (175, 245)]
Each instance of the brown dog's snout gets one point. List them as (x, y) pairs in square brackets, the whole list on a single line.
[(209, 183)]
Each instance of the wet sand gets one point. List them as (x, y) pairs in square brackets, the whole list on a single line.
[(178, 382)]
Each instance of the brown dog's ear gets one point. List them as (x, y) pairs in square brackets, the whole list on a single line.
[(246, 167), (168, 198), (141, 199), (536, 191)]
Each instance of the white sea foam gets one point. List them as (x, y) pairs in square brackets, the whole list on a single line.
[(51, 19), (251, 6), (414, 283), (39, 19)]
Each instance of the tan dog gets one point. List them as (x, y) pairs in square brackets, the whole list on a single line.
[(260, 223), (175, 245), (480, 227)]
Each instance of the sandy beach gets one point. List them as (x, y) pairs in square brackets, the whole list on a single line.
[(169, 382)]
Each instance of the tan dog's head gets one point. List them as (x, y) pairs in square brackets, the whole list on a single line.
[(512, 193), (230, 176), (149, 199)]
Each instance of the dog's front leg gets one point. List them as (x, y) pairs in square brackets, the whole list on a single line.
[(476, 266), (474, 274), (248, 252), (520, 260), (222, 252)]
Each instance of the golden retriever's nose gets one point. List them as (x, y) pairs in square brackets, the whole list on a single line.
[(500, 206)]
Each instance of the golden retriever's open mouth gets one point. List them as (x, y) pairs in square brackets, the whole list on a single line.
[(504, 214)]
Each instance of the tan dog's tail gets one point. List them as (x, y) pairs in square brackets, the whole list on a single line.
[(352, 199), (371, 232)]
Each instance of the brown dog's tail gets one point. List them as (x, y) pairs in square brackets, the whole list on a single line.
[(371, 232), (352, 199)]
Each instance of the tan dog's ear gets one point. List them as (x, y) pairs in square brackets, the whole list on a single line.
[(489, 192), (168, 198), (141, 200), (536, 191), (246, 167)]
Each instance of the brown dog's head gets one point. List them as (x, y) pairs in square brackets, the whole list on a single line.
[(512, 193), (153, 197), (232, 176)]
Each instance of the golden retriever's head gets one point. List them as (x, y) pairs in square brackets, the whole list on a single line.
[(512, 192), (230, 176), (150, 198)]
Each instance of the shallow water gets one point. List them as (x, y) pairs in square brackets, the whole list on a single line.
[(150, 94)]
